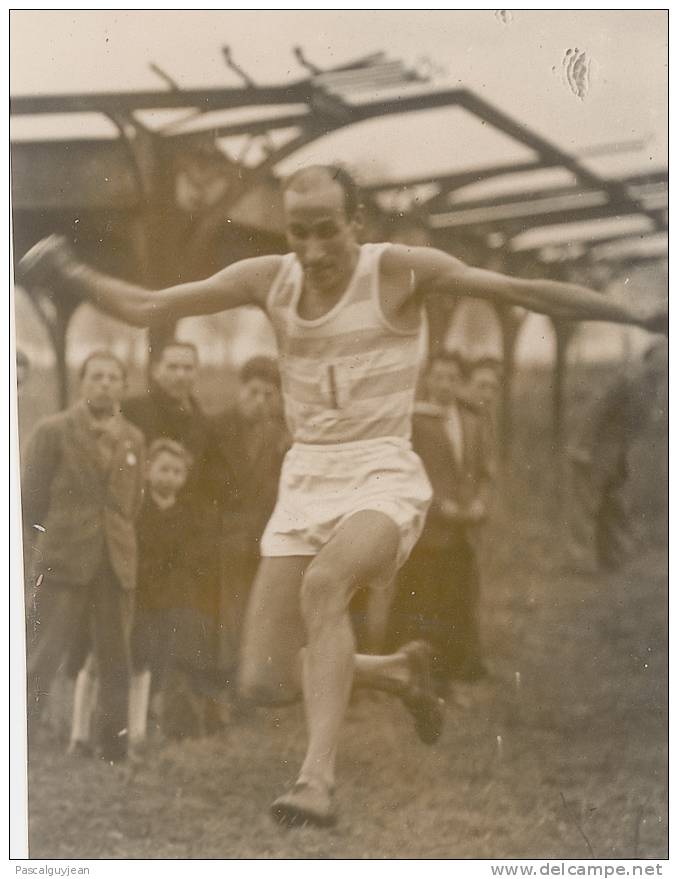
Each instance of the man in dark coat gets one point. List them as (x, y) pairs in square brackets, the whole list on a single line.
[(82, 488), (169, 409), (438, 588), (597, 521)]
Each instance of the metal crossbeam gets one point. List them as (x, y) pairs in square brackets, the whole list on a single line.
[(254, 127), (333, 100), (115, 102)]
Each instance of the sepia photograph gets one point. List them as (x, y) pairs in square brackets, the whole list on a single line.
[(340, 408)]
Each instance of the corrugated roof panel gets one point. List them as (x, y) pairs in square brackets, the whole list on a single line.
[(408, 145), (514, 184)]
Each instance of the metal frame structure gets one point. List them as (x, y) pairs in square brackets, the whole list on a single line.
[(321, 102)]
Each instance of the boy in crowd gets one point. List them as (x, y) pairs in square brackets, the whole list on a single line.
[(169, 635)]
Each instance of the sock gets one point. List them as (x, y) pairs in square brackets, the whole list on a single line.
[(139, 693), (84, 703)]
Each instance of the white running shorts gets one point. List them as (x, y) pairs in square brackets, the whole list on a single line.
[(323, 485)]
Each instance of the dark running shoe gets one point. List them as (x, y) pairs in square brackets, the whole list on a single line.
[(305, 804), (420, 697)]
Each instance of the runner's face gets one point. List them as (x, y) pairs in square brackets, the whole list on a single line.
[(102, 385), (443, 381), (321, 235)]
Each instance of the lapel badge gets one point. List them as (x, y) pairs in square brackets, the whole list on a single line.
[(131, 459)]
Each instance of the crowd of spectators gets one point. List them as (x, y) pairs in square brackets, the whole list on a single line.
[(142, 517), (142, 520)]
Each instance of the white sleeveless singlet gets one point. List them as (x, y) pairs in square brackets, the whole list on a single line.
[(348, 375)]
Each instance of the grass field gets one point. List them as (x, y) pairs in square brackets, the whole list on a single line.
[(561, 754)]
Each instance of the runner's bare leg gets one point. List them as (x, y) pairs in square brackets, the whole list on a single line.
[(363, 550), (273, 633), (283, 615)]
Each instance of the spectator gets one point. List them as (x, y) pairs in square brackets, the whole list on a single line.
[(30, 402), (438, 588), (251, 442), (483, 385), (598, 530), (82, 489), (170, 409)]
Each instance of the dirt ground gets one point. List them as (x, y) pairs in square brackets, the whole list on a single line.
[(562, 754)]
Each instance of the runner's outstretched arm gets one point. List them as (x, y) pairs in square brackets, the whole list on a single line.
[(436, 271), (51, 263)]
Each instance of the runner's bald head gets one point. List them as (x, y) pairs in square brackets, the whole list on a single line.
[(318, 177)]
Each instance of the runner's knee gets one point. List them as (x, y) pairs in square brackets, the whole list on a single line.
[(261, 685), (323, 596)]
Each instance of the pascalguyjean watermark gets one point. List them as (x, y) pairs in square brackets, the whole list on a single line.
[(44, 870)]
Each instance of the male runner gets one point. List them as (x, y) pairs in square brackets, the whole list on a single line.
[(353, 496)]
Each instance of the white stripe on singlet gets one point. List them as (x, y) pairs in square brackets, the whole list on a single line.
[(348, 375)]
